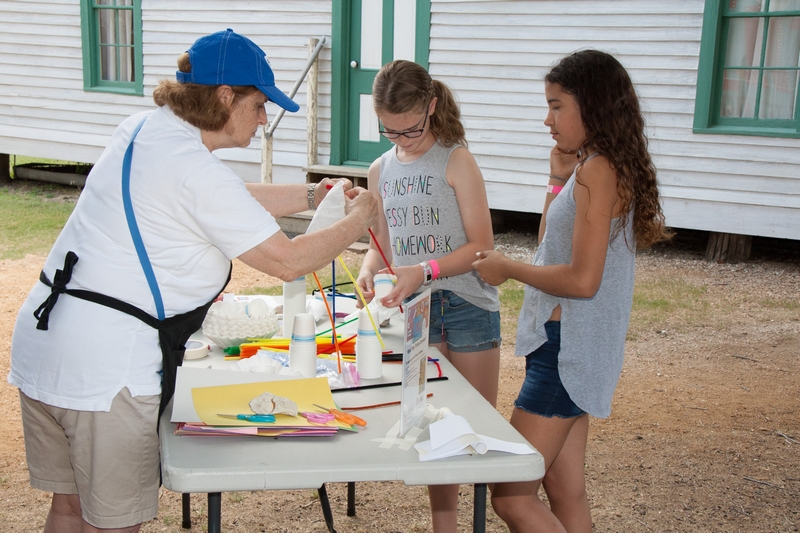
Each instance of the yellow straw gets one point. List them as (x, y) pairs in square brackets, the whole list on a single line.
[(369, 314)]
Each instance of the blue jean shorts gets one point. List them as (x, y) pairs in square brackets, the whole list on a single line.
[(542, 392), (465, 327)]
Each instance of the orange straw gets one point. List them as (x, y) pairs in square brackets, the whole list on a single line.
[(333, 324)]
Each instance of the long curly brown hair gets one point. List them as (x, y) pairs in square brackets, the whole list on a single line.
[(404, 86), (614, 128)]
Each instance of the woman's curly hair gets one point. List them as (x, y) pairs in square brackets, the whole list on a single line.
[(614, 128), (197, 104)]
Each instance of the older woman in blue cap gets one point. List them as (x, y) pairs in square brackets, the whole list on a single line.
[(145, 252)]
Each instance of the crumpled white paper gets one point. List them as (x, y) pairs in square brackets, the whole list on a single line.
[(330, 210)]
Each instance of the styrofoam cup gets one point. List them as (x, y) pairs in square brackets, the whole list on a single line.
[(303, 358), (368, 349), (382, 284), (304, 326)]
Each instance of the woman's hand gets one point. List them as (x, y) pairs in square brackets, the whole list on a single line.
[(321, 189), (360, 200), (490, 266), (409, 280)]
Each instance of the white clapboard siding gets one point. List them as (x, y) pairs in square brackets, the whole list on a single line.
[(494, 55), (44, 111)]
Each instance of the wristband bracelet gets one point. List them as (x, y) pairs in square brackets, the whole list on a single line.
[(562, 180), (434, 269), (554, 189), (427, 273), (312, 196)]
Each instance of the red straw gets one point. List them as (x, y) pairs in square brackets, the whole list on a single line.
[(377, 244)]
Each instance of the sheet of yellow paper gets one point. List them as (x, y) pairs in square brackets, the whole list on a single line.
[(235, 399)]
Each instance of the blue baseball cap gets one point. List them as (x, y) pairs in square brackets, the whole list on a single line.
[(227, 58)]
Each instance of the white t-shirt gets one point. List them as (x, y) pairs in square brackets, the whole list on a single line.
[(194, 215)]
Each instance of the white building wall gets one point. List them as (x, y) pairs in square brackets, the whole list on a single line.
[(494, 55), (44, 111)]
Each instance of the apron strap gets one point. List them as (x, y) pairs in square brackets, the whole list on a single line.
[(130, 216)]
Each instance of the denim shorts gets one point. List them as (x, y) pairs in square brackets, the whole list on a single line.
[(465, 327), (542, 392)]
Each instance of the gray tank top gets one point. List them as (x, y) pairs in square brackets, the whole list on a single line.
[(424, 220), (593, 330)]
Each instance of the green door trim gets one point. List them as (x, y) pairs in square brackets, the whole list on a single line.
[(340, 63)]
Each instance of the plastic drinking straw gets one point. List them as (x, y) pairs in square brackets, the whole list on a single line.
[(342, 324), (333, 325), (333, 288), (369, 313)]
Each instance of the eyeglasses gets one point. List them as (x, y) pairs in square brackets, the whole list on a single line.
[(409, 134)]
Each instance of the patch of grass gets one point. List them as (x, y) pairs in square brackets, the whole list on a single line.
[(512, 293), (780, 303), (29, 224), (658, 301)]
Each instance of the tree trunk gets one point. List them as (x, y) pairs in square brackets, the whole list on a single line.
[(728, 247)]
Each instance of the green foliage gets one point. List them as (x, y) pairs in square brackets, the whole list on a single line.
[(30, 222), (661, 300)]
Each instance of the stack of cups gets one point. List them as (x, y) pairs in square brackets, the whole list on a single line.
[(303, 346), (368, 349), (294, 303)]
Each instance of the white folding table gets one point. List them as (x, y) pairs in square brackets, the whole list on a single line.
[(214, 465)]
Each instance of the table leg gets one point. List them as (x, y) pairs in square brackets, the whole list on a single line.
[(479, 511), (186, 510), (214, 512), (326, 508), (351, 498)]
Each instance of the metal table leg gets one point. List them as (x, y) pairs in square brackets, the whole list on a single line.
[(479, 512), (186, 510), (351, 498), (214, 512), (326, 508)]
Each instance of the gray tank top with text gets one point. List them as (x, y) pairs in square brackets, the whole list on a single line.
[(424, 220)]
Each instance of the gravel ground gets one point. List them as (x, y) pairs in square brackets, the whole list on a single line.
[(704, 433)]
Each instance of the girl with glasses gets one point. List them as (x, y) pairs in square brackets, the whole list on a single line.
[(432, 194), (579, 289)]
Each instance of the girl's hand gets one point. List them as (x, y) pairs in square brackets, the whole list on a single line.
[(563, 163), (409, 280), (490, 266), (365, 283)]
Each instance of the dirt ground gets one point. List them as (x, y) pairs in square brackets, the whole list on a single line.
[(704, 433)]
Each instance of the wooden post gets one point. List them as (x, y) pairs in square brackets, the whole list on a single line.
[(266, 155), (5, 172), (311, 107), (728, 247)]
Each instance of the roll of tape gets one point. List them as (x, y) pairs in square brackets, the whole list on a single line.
[(196, 350)]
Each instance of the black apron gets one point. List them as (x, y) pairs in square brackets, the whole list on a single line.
[(173, 332)]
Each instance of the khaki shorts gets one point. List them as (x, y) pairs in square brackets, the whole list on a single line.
[(110, 460)]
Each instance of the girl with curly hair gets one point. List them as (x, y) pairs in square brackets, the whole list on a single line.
[(602, 204)]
